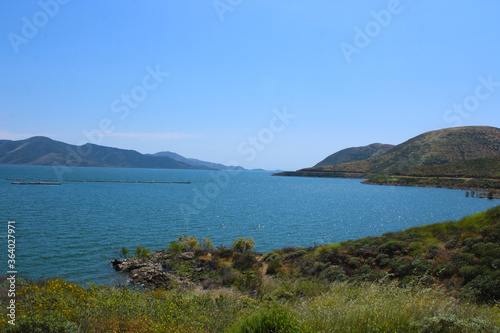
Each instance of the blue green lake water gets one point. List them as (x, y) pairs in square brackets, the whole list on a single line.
[(74, 230)]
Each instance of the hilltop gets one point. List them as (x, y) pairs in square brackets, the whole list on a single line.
[(41, 150), (436, 148), (355, 154)]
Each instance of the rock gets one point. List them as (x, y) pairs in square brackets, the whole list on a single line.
[(186, 256)]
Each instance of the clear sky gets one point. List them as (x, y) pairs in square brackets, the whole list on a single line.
[(268, 84)]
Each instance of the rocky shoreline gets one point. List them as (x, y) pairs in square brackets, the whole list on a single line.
[(158, 270)]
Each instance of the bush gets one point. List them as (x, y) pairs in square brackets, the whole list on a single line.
[(224, 252), (244, 261), (142, 253), (274, 267), (248, 281), (207, 244), (401, 267), (276, 319), (333, 273), (174, 247), (243, 245), (124, 252), (188, 243), (469, 272), (451, 244), (294, 255), (483, 288), (383, 259), (392, 246), (270, 256)]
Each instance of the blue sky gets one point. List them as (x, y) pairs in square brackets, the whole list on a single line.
[(267, 84)]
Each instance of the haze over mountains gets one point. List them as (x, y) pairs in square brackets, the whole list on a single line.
[(440, 147), (45, 151), (195, 162)]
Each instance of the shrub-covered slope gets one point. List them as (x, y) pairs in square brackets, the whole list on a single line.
[(355, 154), (450, 145)]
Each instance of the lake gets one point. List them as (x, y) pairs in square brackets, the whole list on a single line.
[(74, 230)]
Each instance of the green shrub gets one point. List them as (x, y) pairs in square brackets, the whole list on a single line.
[(244, 261), (451, 244), (243, 245), (294, 255), (469, 272), (223, 252), (464, 258), (392, 246), (354, 262), (188, 243), (124, 252), (333, 273), (274, 320), (142, 253), (207, 244), (383, 259), (274, 267), (401, 267), (420, 267), (248, 281), (483, 288), (174, 247), (486, 250), (270, 256)]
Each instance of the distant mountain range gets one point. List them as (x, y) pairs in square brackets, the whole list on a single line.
[(435, 148), (196, 163), (41, 150)]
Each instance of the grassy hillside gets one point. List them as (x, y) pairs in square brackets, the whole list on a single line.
[(444, 146), (477, 174), (463, 152), (487, 167), (437, 278), (355, 154)]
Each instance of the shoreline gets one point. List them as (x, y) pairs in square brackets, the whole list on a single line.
[(483, 186)]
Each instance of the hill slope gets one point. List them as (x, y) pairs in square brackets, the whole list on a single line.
[(45, 151), (197, 163), (355, 154), (439, 147)]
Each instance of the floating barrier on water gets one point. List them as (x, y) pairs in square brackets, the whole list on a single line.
[(36, 183), (55, 182), (17, 179)]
